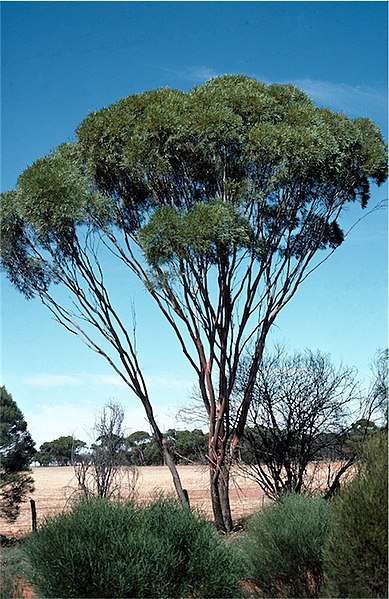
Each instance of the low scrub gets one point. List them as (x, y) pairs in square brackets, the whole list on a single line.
[(357, 548), (15, 571), (103, 548), (283, 547)]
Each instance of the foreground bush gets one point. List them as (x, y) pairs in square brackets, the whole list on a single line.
[(15, 571), (284, 546), (357, 548), (109, 549)]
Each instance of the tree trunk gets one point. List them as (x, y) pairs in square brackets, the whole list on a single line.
[(335, 485), (163, 445), (219, 482), (182, 493)]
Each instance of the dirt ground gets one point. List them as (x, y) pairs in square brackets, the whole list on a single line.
[(55, 486)]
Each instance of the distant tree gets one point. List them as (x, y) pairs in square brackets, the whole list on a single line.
[(136, 445), (188, 446), (59, 452), (105, 470), (374, 415), (303, 413), (152, 454), (219, 200), (17, 450)]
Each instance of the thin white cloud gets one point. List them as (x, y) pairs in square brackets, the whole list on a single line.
[(54, 420), (195, 74), (200, 73), (68, 404), (46, 380), (50, 380), (153, 382), (168, 383), (354, 99), (110, 380)]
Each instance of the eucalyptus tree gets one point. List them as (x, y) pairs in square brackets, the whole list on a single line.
[(59, 452), (218, 200)]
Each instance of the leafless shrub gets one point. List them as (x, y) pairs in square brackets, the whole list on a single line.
[(305, 422), (105, 471)]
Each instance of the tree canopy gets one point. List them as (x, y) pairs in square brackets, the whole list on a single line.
[(17, 450), (217, 199), (212, 169), (59, 452)]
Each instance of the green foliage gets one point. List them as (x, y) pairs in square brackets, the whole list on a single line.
[(360, 430), (8, 578), (15, 570), (188, 446), (284, 546), (108, 549), (59, 452), (207, 230), (16, 444), (357, 547), (16, 453), (199, 174), (152, 455), (142, 450), (54, 197), (56, 192)]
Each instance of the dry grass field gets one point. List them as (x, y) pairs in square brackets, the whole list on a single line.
[(55, 486)]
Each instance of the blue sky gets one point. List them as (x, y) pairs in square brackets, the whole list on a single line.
[(61, 60)]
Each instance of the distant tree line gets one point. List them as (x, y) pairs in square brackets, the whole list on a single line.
[(137, 449), (191, 446)]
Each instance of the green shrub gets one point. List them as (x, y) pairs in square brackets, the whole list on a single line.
[(356, 554), (284, 546), (15, 571), (110, 549)]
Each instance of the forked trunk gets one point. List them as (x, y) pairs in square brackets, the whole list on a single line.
[(219, 482)]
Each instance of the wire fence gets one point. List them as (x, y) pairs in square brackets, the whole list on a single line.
[(56, 490), (27, 518)]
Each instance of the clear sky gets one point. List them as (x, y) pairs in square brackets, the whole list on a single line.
[(61, 60)]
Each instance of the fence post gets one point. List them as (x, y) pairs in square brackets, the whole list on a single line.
[(186, 496), (33, 513)]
